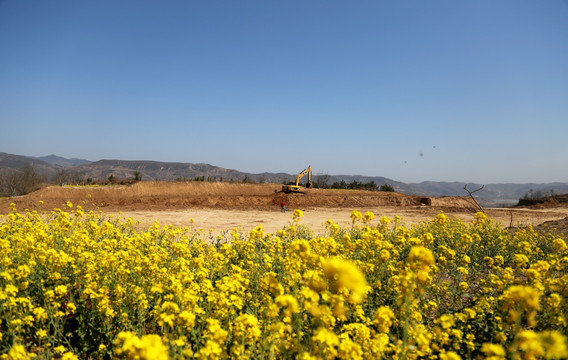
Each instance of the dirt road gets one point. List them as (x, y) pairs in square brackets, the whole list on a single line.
[(221, 220)]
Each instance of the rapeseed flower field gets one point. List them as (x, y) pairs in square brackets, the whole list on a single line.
[(81, 285)]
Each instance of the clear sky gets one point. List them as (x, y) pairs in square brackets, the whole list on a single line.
[(473, 91)]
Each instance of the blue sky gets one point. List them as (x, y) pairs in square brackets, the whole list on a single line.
[(473, 91)]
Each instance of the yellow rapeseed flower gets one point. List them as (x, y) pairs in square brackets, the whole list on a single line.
[(288, 304), (493, 351), (480, 216), (420, 257), (246, 326), (383, 319), (356, 215), (69, 356), (326, 337), (148, 347), (441, 219), (529, 343), (521, 297), (344, 275), (450, 355), (559, 245)]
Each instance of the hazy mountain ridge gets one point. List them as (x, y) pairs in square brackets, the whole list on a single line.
[(15, 163), (156, 170), (61, 161), (169, 171)]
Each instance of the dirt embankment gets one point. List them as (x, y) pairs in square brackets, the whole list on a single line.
[(545, 202), (156, 196)]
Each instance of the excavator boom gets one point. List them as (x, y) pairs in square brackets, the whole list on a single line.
[(308, 171)]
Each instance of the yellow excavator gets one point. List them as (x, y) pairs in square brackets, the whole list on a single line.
[(297, 188)]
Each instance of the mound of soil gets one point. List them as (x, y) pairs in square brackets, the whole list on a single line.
[(157, 196), (546, 202), (559, 227)]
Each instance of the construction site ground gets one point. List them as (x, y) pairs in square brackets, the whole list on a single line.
[(222, 206)]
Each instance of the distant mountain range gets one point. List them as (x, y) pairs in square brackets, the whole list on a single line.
[(51, 166)]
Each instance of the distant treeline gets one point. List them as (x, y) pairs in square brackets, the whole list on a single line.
[(355, 185), (24, 181), (28, 179)]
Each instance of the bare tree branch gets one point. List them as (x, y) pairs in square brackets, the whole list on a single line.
[(471, 196)]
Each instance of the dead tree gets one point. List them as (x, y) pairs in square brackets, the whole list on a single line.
[(471, 196)]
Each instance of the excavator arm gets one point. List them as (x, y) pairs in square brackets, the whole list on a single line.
[(308, 171), (297, 188)]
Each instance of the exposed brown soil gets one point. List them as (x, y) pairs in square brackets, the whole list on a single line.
[(158, 196), (546, 202), (223, 206), (555, 226)]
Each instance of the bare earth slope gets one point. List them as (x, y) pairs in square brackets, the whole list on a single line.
[(157, 196), (223, 206)]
